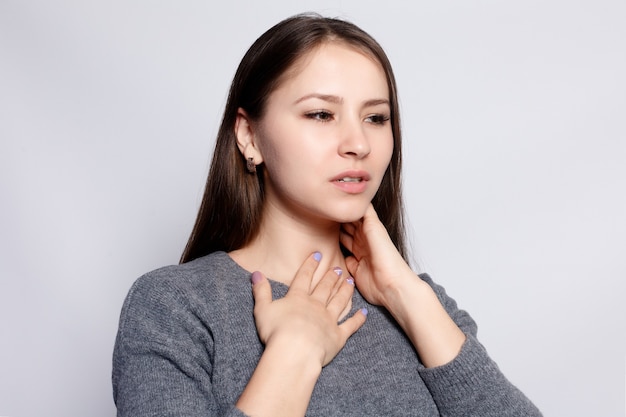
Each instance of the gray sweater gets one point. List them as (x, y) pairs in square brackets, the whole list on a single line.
[(187, 346)]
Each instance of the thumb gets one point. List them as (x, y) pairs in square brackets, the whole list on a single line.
[(261, 289), (352, 264)]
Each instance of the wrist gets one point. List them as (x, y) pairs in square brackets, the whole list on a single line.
[(282, 383), (296, 354), (404, 291), (417, 309)]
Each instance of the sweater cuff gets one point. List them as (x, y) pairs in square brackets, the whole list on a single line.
[(465, 375), (472, 385)]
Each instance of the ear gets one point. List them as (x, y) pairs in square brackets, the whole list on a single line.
[(245, 132)]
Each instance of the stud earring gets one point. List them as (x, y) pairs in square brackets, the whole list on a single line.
[(250, 165)]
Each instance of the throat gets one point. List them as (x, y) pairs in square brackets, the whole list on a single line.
[(281, 262)]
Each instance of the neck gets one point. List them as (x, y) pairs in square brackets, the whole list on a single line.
[(283, 243)]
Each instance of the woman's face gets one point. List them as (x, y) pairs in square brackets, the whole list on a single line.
[(326, 137)]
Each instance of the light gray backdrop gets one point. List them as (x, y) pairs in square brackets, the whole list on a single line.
[(514, 116)]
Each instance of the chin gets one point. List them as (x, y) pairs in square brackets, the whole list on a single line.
[(350, 213)]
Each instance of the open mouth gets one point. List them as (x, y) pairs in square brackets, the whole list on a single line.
[(350, 179)]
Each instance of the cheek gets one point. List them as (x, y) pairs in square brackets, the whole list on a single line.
[(385, 152), (269, 145), (286, 144), (279, 150)]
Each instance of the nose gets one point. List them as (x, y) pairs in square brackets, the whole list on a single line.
[(353, 140)]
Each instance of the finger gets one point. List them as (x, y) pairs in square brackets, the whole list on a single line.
[(370, 213), (339, 282), (346, 240), (261, 289), (339, 300), (324, 289), (352, 264), (371, 222), (304, 276), (349, 228), (354, 323)]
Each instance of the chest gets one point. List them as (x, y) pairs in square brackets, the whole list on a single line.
[(375, 374)]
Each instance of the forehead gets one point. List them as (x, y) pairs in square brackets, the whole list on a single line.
[(336, 65)]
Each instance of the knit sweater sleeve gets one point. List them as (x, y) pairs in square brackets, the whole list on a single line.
[(162, 361), (472, 384)]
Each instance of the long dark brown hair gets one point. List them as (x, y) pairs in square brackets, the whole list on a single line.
[(230, 213)]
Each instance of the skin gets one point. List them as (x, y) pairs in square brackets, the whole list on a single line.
[(325, 119), (329, 117)]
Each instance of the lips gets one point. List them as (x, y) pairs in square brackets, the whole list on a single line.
[(351, 182), (352, 176)]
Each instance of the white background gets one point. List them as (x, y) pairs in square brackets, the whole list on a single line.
[(514, 117)]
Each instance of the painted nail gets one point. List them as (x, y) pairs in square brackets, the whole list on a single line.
[(317, 256), (350, 281), (337, 270), (364, 311), (255, 277)]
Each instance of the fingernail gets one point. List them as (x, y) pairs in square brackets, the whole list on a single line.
[(350, 281), (255, 277), (337, 270), (317, 256), (364, 311)]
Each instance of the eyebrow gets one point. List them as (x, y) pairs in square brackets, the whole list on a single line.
[(376, 102), (325, 97), (338, 100)]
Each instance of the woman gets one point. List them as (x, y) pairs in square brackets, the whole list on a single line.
[(305, 187)]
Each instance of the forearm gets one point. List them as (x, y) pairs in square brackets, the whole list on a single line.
[(281, 384), (434, 334), (471, 384)]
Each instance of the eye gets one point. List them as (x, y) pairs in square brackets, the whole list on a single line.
[(377, 119), (320, 115)]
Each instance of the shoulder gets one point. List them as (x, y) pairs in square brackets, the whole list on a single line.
[(190, 291), (211, 271)]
